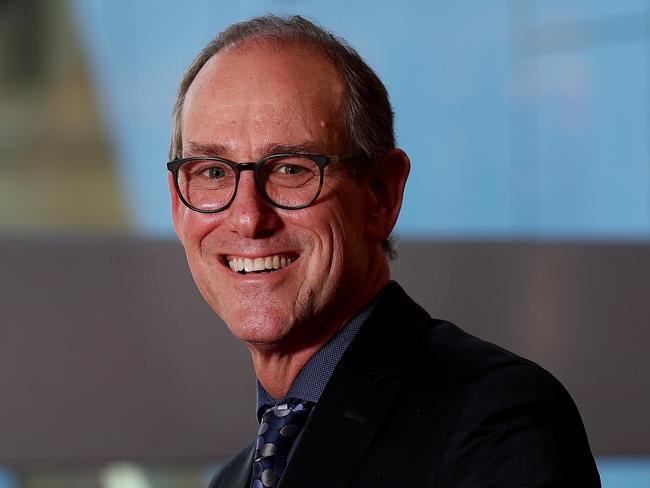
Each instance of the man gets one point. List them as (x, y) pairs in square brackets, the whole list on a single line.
[(286, 184)]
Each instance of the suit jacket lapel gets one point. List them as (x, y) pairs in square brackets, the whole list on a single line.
[(358, 396), (336, 436)]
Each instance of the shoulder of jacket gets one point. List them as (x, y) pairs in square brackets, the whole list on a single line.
[(463, 358)]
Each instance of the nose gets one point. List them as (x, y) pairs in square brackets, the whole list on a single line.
[(251, 216)]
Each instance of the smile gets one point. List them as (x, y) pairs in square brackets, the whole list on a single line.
[(259, 264)]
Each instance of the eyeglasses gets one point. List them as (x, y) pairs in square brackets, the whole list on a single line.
[(288, 181)]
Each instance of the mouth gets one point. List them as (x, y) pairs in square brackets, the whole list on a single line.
[(261, 264)]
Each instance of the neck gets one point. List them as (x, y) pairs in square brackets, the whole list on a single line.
[(277, 366)]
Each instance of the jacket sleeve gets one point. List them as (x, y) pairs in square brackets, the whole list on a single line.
[(517, 426)]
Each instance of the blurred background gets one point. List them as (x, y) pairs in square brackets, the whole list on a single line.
[(526, 220)]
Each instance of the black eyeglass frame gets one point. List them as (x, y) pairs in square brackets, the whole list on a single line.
[(321, 161)]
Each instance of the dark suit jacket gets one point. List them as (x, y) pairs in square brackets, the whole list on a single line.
[(416, 402)]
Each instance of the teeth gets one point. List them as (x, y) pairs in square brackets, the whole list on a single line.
[(258, 264)]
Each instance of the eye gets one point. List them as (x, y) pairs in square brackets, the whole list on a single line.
[(289, 169), (214, 172)]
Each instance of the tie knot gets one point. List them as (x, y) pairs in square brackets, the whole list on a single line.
[(293, 407)]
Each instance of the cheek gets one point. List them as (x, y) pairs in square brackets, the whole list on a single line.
[(198, 233), (195, 226), (335, 236)]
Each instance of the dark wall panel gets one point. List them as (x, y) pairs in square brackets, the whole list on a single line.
[(580, 310), (107, 351)]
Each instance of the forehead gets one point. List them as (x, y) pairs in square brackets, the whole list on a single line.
[(264, 91)]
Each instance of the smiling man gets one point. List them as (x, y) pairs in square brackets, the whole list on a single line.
[(286, 184)]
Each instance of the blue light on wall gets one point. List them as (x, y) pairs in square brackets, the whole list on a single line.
[(529, 119), (624, 473), (7, 479)]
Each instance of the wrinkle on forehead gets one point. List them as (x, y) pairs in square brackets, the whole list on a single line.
[(252, 93)]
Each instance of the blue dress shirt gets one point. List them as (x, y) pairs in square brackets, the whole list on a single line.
[(312, 379)]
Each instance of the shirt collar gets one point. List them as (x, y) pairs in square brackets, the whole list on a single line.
[(312, 379)]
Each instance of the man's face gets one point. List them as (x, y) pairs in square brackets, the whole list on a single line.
[(245, 104)]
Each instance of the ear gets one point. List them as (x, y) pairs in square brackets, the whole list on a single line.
[(177, 207), (386, 183)]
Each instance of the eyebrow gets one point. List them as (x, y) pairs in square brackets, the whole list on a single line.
[(303, 147), (205, 149), (219, 150)]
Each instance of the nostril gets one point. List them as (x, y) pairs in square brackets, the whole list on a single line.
[(253, 217)]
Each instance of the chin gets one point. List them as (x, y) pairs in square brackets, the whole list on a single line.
[(264, 328)]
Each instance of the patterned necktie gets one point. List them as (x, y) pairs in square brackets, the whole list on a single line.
[(278, 430)]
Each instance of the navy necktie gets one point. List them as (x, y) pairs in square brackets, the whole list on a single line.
[(279, 428)]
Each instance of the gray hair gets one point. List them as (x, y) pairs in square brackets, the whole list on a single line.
[(367, 113)]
